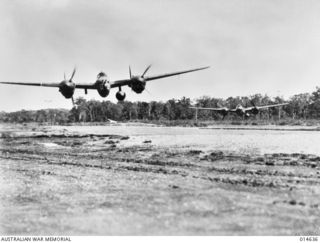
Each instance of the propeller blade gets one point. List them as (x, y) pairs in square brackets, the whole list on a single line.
[(64, 76), (74, 71), (148, 92), (223, 117), (130, 72), (72, 100), (145, 71)]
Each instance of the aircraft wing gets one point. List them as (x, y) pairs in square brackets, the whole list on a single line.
[(86, 86), (119, 83), (173, 74), (268, 106), (123, 82), (250, 108), (79, 86), (33, 84), (233, 110), (207, 108)]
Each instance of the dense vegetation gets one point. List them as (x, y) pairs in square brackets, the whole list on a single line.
[(301, 107)]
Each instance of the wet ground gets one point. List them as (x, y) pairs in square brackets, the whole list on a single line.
[(132, 180)]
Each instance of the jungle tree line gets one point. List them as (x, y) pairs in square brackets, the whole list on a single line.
[(301, 106)]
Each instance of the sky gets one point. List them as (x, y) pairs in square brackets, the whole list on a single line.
[(252, 46)]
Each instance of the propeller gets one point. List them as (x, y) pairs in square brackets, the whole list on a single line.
[(70, 80), (224, 116), (137, 83), (142, 76), (222, 106), (145, 71), (74, 71), (252, 103), (148, 92)]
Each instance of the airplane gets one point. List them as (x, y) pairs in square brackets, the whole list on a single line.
[(103, 84), (239, 110)]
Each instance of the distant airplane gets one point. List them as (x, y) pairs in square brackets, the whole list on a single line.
[(112, 121), (103, 84), (239, 110)]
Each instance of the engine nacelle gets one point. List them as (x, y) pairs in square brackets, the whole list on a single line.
[(104, 89), (138, 86), (67, 88), (255, 111), (223, 112), (120, 95)]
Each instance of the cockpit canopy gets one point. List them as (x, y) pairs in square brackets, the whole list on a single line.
[(101, 74)]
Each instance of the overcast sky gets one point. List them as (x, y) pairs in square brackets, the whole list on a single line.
[(253, 46)]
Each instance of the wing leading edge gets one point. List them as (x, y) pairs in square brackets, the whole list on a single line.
[(173, 74), (207, 108), (123, 82), (57, 85), (33, 84), (264, 106), (114, 84)]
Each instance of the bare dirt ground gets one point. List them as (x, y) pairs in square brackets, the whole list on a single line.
[(125, 180)]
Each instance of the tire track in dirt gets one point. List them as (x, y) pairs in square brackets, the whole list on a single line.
[(102, 154)]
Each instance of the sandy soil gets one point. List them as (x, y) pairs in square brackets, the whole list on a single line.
[(123, 180)]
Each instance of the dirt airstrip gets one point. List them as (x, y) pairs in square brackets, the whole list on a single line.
[(58, 181)]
